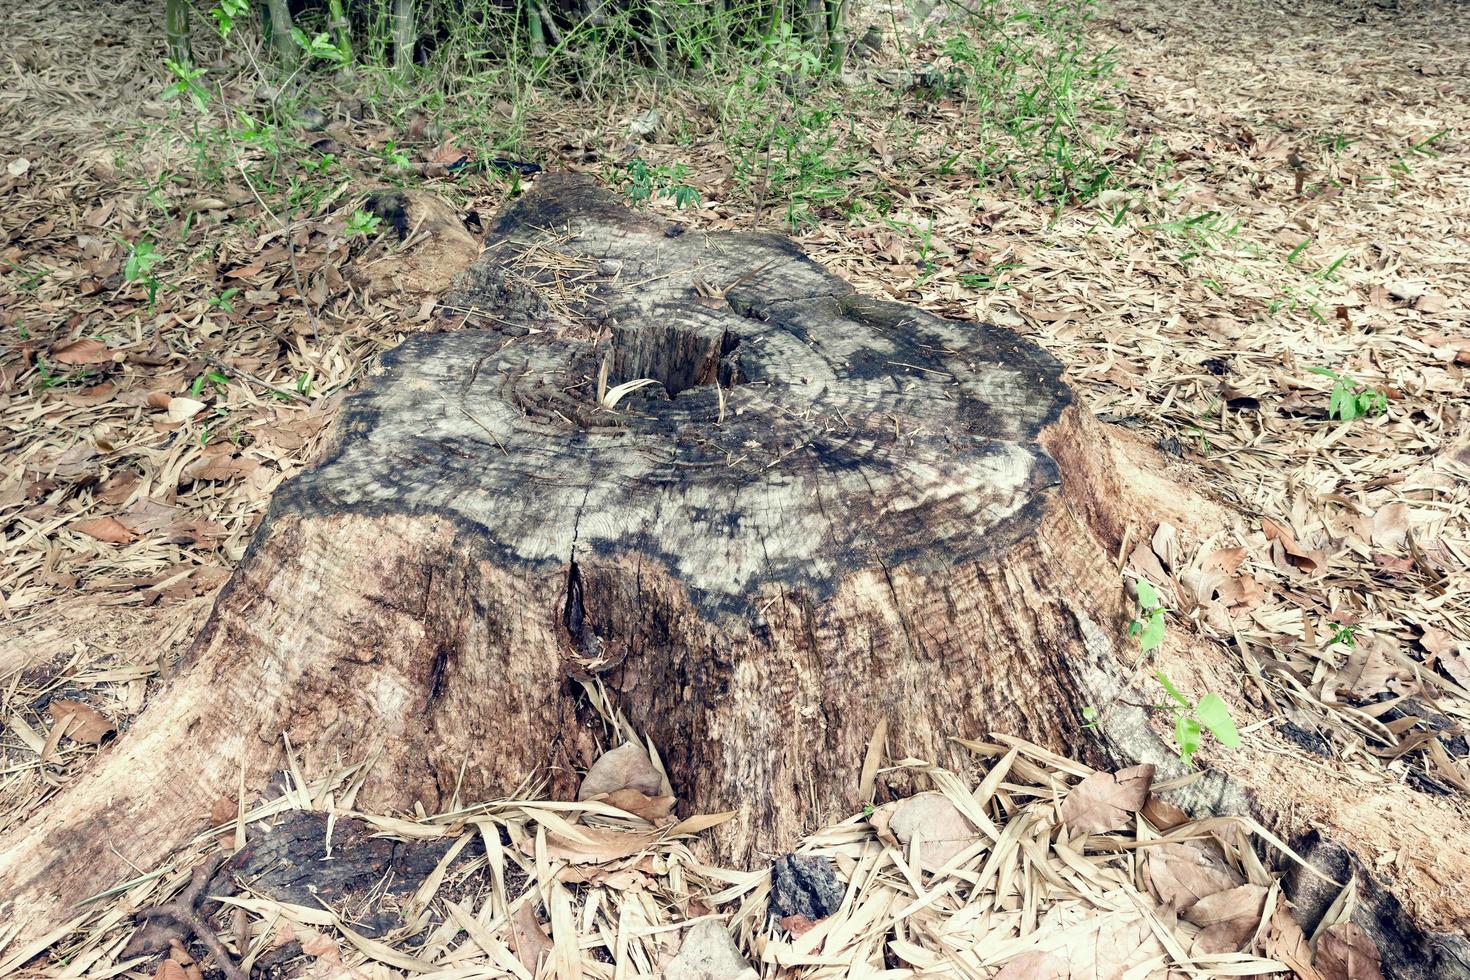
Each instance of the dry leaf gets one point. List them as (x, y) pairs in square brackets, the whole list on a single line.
[(1035, 965), (1181, 874), (798, 925), (1164, 815), (84, 351), (107, 529), (1286, 943), (527, 937), (1106, 801), (181, 409), (1292, 557), (1227, 919), (625, 767), (1390, 526), (83, 722), (941, 829), (169, 970), (651, 808), (179, 956), (1346, 952)]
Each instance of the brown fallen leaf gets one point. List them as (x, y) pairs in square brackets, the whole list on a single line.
[(651, 808), (169, 970), (84, 351), (117, 488), (1181, 874), (1346, 952), (1292, 555), (1390, 526), (797, 925), (941, 829), (83, 722), (1286, 943), (625, 767), (1227, 919), (1105, 801), (1163, 814), (1035, 965), (221, 466), (598, 844), (528, 940), (1370, 670), (93, 395), (178, 955), (107, 529)]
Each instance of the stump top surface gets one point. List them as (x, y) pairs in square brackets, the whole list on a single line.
[(795, 432)]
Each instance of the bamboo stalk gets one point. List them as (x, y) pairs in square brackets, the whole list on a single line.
[(341, 30), (836, 38), (176, 27), (279, 13), (537, 31), (405, 32)]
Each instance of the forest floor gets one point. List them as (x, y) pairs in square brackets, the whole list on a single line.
[(1299, 201)]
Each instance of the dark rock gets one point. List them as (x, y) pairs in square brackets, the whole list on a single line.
[(806, 885)]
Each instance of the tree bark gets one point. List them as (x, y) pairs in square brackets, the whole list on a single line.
[(824, 511)]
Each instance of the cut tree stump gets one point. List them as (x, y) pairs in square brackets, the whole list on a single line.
[(766, 513)]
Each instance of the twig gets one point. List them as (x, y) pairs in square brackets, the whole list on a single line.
[(237, 372)]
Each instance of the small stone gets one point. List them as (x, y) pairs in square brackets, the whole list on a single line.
[(609, 267), (709, 953), (805, 884), (312, 119)]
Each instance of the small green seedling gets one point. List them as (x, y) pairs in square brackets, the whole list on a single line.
[(1089, 715), (1148, 625), (208, 378), (224, 14), (142, 257), (1346, 634), (1351, 400), (223, 300), (1210, 714), (641, 183), (363, 223), (186, 82)]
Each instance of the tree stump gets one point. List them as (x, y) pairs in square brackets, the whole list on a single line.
[(765, 512)]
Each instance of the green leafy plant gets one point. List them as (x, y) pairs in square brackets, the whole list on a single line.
[(1345, 633), (362, 223), (640, 183), (1090, 715), (142, 257), (186, 82), (1191, 721), (1148, 624), (207, 378), (1349, 399), (224, 300), (225, 12)]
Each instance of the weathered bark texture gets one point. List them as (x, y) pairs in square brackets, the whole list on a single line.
[(826, 511)]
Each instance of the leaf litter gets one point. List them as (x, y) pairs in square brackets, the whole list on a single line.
[(124, 513)]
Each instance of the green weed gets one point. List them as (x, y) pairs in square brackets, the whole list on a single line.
[(1349, 399), (1191, 721)]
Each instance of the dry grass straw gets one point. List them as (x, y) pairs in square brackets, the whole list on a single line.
[(594, 892)]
